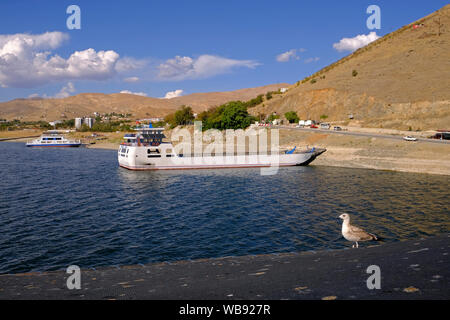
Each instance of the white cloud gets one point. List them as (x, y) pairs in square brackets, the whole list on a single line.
[(352, 44), (25, 61), (135, 93), (131, 79), (289, 55), (309, 60), (205, 66), (66, 91), (16, 43), (34, 96), (127, 63), (173, 94)]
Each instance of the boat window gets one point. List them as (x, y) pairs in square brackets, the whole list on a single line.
[(154, 156)]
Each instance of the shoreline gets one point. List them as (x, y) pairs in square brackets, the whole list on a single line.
[(384, 164), (412, 269), (341, 160), (344, 151)]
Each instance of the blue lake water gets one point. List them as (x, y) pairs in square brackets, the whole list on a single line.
[(76, 206)]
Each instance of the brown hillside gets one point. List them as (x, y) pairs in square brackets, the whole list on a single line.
[(86, 103), (403, 80)]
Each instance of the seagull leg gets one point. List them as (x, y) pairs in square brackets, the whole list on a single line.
[(357, 244)]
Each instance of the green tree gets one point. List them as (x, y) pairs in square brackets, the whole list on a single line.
[(232, 115), (184, 115), (235, 116), (84, 128), (292, 116), (255, 101), (273, 117), (170, 119)]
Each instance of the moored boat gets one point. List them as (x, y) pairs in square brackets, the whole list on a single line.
[(146, 150), (53, 139)]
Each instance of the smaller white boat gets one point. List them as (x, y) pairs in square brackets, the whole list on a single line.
[(409, 138), (53, 139)]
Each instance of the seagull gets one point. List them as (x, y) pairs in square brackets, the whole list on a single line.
[(353, 233)]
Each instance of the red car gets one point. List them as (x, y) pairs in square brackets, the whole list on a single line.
[(313, 126)]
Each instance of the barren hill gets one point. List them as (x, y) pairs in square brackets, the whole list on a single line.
[(86, 103), (401, 80)]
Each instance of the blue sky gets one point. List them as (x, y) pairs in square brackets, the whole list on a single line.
[(155, 47)]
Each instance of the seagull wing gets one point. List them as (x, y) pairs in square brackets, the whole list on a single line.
[(361, 234)]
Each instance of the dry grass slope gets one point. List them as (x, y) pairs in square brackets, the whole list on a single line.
[(86, 103), (402, 81)]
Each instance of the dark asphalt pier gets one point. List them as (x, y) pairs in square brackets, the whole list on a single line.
[(414, 269)]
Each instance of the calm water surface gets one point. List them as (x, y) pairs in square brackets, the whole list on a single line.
[(76, 206)]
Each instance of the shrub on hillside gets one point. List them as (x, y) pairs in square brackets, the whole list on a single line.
[(292, 117)]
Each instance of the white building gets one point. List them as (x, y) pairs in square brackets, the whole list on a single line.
[(87, 121), (78, 123)]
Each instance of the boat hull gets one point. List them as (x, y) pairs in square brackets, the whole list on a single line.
[(54, 145), (137, 160)]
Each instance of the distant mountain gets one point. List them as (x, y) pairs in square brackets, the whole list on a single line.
[(86, 104), (399, 81)]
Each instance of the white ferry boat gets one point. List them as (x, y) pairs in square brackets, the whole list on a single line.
[(53, 139), (146, 150)]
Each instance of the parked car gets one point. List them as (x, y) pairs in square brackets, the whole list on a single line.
[(409, 138), (313, 126), (325, 126), (337, 129)]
